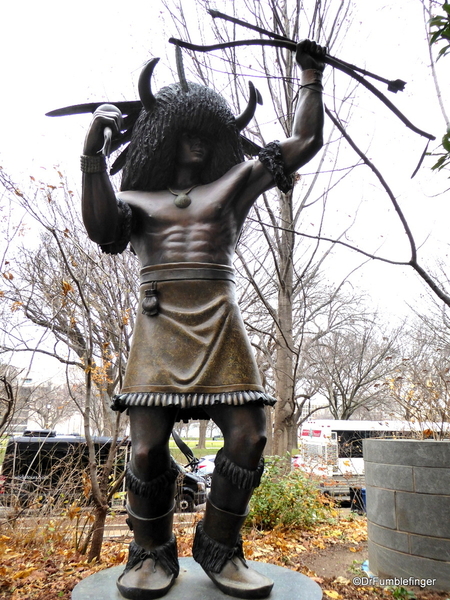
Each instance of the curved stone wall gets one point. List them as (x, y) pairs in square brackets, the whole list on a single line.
[(408, 509)]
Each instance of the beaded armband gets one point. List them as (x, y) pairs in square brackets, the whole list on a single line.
[(271, 158), (93, 164)]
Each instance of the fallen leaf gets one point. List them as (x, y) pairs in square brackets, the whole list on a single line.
[(333, 594), (342, 580), (24, 573), (335, 533)]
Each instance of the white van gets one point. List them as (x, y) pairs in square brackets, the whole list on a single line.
[(331, 450)]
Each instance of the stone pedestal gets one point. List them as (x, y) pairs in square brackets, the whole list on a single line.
[(408, 508), (194, 584)]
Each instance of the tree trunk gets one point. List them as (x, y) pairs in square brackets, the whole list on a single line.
[(293, 442), (285, 408), (268, 450), (284, 367), (108, 415), (202, 434), (97, 532)]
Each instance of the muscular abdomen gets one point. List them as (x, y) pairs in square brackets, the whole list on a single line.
[(199, 242)]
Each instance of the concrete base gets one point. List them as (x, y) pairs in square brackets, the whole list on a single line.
[(194, 584), (408, 505)]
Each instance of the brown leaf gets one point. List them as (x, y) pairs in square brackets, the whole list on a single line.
[(24, 573), (342, 580), (333, 594), (16, 305), (66, 287)]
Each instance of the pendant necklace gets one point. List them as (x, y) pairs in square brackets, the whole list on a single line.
[(182, 199)]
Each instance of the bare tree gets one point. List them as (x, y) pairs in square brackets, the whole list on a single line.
[(350, 367), (13, 402), (82, 303), (7, 400), (66, 289), (275, 268), (50, 405), (420, 385), (437, 29)]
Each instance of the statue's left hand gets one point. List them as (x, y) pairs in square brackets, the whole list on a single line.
[(310, 55)]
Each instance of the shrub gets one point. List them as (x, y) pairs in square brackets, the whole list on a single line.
[(287, 498)]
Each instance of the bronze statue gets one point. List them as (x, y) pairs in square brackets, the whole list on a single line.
[(186, 191)]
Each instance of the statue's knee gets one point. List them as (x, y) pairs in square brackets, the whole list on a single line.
[(148, 458), (253, 438), (246, 447), (141, 458), (258, 442)]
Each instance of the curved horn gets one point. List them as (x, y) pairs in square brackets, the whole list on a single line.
[(144, 85), (180, 69), (245, 117)]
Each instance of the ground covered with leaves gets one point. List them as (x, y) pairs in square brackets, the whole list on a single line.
[(40, 562)]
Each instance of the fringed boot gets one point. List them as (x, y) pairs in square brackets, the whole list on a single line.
[(218, 544), (152, 565)]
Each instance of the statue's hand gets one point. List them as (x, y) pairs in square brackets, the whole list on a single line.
[(310, 55), (107, 123)]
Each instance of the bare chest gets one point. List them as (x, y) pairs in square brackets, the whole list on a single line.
[(205, 230)]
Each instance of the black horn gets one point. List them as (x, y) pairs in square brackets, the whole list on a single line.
[(144, 85), (245, 117), (180, 69)]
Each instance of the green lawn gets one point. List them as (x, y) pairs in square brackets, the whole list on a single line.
[(212, 447)]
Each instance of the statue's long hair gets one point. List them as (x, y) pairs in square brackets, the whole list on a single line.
[(151, 157)]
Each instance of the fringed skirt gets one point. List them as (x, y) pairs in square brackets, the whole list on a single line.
[(194, 352)]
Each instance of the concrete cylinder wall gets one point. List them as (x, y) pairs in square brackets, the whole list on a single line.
[(408, 509)]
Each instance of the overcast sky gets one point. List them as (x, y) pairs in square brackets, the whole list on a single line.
[(55, 54)]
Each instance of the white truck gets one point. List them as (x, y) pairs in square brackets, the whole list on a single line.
[(332, 451)]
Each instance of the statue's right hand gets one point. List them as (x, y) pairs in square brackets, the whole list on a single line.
[(107, 122), (310, 55)]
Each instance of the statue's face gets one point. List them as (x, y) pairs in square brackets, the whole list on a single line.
[(193, 150)]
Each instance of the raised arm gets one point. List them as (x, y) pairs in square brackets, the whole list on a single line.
[(101, 215), (307, 132)]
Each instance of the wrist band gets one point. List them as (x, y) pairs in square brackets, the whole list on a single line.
[(93, 164), (317, 78), (317, 73), (309, 85)]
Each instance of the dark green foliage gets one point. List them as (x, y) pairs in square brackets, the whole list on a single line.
[(287, 499), (440, 30), (444, 159), (440, 33)]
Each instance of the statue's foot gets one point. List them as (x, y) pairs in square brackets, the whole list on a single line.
[(149, 573), (145, 582), (225, 563), (152, 565), (241, 581)]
